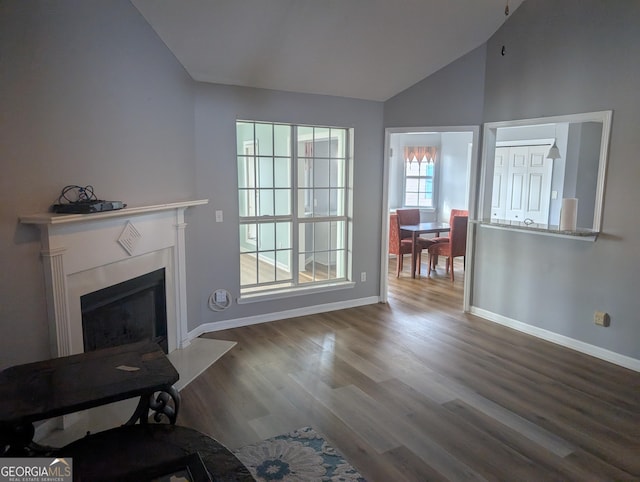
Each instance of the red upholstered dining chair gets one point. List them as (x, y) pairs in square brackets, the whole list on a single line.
[(408, 216), (454, 212), (456, 246), (398, 246), (412, 216)]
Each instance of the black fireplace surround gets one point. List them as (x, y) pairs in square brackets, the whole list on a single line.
[(127, 312)]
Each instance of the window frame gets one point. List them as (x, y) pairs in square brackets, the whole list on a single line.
[(434, 191), (340, 253)]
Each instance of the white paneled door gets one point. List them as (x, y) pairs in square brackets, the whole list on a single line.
[(528, 183)]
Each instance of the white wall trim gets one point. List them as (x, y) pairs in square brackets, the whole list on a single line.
[(280, 315), (595, 351)]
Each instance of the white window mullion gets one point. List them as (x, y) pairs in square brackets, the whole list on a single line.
[(295, 235)]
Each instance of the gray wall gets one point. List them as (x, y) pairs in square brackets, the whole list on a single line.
[(217, 108), (566, 57), (453, 96), (89, 95)]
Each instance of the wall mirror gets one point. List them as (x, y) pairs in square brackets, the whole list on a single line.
[(546, 174)]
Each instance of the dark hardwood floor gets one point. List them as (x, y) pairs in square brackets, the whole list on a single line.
[(417, 390)]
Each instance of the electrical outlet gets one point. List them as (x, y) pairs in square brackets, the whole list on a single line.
[(363, 276), (221, 296), (601, 318)]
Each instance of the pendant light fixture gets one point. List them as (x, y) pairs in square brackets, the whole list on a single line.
[(554, 152)]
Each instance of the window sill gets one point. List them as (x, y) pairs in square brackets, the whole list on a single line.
[(289, 292), (424, 210)]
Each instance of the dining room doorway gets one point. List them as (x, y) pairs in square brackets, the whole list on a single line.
[(432, 169)]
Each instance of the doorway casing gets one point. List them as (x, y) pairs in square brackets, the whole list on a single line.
[(472, 174)]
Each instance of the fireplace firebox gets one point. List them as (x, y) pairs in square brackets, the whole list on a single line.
[(127, 312)]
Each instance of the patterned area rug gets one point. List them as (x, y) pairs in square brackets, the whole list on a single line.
[(301, 455)]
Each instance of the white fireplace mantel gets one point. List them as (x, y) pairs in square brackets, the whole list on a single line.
[(83, 253)]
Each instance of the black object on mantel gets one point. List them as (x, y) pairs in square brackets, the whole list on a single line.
[(59, 386), (87, 207), (82, 200)]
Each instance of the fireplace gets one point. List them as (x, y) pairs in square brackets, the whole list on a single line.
[(127, 312), (84, 254)]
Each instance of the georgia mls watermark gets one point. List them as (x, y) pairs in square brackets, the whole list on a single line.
[(36, 469)]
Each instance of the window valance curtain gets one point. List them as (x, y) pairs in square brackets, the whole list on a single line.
[(420, 154)]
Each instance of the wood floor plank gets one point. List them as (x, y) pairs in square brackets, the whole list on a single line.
[(507, 417), (431, 451), (555, 467), (527, 402), (411, 468), (363, 365), (417, 390), (538, 402), (475, 447), (357, 413)]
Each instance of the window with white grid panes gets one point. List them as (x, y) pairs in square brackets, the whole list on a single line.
[(418, 184), (293, 198)]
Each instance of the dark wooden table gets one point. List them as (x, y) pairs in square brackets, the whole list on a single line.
[(418, 229), (142, 452), (59, 386)]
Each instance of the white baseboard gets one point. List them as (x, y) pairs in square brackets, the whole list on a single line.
[(280, 315), (595, 351)]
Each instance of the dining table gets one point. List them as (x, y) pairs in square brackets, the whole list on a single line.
[(418, 229)]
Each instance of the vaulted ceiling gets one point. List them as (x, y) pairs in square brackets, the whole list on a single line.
[(367, 49)]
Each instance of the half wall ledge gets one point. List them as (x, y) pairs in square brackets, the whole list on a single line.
[(581, 234)]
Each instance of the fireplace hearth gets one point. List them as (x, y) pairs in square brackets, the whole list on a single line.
[(127, 312)]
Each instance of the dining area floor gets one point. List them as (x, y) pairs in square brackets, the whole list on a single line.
[(420, 290)]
